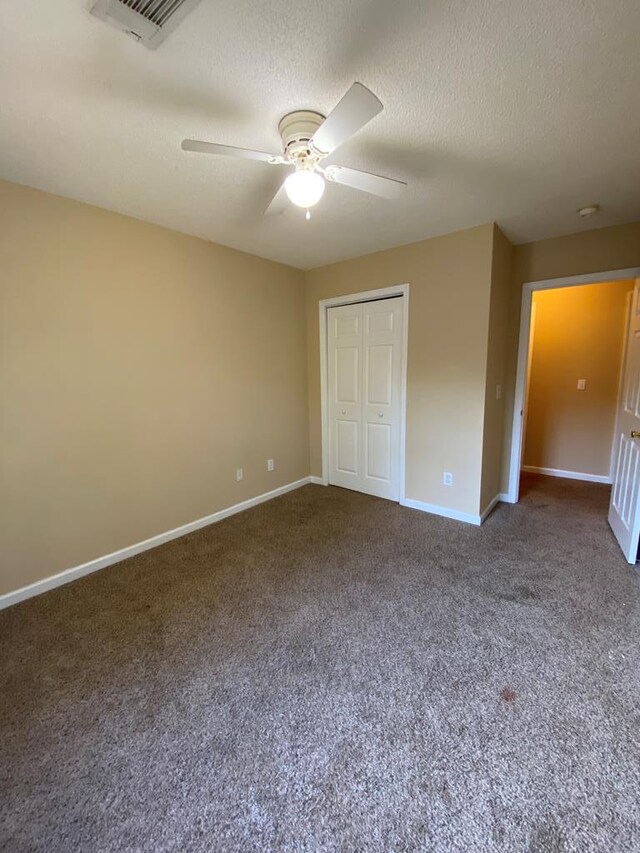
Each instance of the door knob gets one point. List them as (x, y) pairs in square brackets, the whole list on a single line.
[(635, 433), (344, 411), (381, 415)]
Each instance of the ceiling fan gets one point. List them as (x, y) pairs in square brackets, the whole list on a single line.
[(307, 138)]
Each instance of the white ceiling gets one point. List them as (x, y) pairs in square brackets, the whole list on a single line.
[(518, 111)]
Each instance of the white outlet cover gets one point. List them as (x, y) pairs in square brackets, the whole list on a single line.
[(447, 478), (270, 465), (239, 474), (582, 384)]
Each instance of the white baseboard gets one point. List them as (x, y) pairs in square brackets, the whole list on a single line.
[(490, 506), (444, 511), (455, 514), (317, 481), (76, 572), (568, 475)]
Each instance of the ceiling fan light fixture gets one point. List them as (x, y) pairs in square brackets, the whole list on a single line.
[(307, 138), (304, 188)]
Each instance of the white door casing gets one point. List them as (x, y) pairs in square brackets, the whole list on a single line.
[(624, 507), (364, 359)]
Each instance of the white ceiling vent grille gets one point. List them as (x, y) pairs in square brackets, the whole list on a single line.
[(148, 21)]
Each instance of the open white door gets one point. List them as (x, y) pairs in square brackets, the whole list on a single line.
[(624, 509)]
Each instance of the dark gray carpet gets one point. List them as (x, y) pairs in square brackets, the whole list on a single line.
[(331, 672)]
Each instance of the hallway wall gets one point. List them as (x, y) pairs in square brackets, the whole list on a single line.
[(579, 334)]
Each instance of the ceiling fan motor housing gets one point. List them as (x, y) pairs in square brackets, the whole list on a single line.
[(296, 130)]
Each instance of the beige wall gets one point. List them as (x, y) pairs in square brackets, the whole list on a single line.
[(450, 284), (599, 250), (139, 368), (579, 334), (501, 269)]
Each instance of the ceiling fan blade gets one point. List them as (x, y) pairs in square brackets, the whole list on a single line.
[(374, 184), (230, 151), (356, 108), (278, 203)]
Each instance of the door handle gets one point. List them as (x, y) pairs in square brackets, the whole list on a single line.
[(635, 433), (344, 411), (381, 415)]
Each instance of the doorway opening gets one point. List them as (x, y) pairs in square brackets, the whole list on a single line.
[(572, 360), (363, 386)]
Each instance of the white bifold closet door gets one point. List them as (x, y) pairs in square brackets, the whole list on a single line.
[(365, 389)]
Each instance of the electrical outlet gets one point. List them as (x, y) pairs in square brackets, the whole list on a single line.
[(498, 392), (270, 465), (582, 384), (239, 474), (447, 478)]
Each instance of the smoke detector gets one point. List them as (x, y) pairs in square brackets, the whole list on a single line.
[(147, 21), (589, 211)]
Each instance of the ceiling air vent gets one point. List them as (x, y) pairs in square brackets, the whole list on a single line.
[(147, 21)]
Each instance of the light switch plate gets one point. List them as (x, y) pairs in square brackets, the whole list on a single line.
[(582, 384)]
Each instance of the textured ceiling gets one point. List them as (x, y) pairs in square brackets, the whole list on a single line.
[(506, 110)]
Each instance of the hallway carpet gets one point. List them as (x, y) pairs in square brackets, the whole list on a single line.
[(332, 672)]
